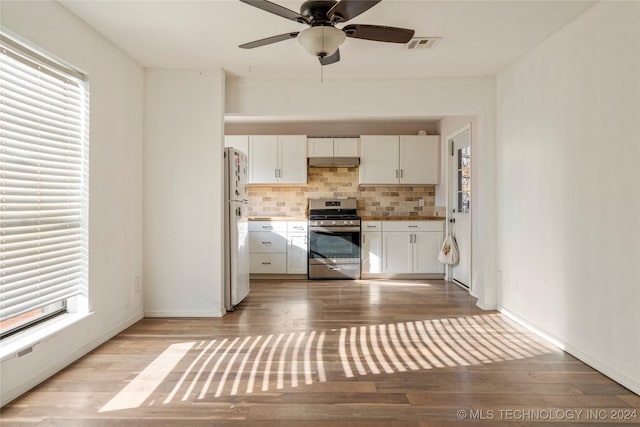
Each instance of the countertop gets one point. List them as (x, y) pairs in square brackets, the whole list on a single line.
[(364, 218), (403, 218), (278, 218)]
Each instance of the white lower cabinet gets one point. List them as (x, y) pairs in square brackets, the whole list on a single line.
[(267, 247), (411, 247), (371, 247), (297, 247), (398, 252), (278, 247)]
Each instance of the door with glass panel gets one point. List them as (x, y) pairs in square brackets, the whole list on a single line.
[(460, 203)]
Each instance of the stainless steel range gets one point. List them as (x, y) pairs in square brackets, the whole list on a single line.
[(334, 239)]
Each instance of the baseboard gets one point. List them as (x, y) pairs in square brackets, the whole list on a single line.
[(482, 306), (404, 276), (183, 313), (38, 378), (255, 276), (598, 365)]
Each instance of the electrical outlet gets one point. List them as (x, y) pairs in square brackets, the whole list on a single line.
[(138, 286)]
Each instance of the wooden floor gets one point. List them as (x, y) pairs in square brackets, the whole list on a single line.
[(330, 353)]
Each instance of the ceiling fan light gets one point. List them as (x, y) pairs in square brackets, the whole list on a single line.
[(321, 40)]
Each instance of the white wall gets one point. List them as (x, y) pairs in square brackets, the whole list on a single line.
[(568, 168), (115, 207), (428, 97), (183, 182)]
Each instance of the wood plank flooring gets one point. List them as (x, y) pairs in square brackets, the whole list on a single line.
[(330, 353)]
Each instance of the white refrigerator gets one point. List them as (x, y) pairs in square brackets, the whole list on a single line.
[(236, 235)]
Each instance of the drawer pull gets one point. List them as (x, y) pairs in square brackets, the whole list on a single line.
[(266, 263), (298, 227), (413, 226), (266, 243), (267, 227)]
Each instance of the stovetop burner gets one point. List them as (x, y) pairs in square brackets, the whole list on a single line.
[(333, 209), (338, 216)]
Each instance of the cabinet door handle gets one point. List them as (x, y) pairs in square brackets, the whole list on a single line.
[(363, 238), (396, 173), (275, 172), (279, 173)]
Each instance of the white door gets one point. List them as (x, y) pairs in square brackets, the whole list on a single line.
[(263, 159), (346, 147), (419, 159), (297, 253), (293, 159), (460, 203), (320, 147), (426, 246), (397, 252), (371, 252), (379, 159)]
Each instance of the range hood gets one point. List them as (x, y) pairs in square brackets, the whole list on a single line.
[(333, 151), (328, 162)]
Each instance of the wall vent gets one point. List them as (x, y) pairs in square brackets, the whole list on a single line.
[(422, 42)]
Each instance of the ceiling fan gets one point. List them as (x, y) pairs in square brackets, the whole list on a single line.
[(322, 39)]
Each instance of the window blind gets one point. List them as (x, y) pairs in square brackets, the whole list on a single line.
[(43, 180)]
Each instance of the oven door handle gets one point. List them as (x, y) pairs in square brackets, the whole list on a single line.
[(333, 230)]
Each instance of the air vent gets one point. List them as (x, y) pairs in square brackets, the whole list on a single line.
[(423, 42)]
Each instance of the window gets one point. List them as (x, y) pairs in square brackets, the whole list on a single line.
[(464, 179), (43, 187)]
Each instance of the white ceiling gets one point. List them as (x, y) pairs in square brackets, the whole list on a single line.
[(478, 37)]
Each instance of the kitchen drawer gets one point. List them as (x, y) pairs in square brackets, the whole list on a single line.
[(371, 225), (268, 226), (412, 226), (268, 263), (296, 226), (267, 242)]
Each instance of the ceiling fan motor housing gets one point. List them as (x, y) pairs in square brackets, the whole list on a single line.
[(316, 11)]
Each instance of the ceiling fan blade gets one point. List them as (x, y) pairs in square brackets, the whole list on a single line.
[(269, 40), (349, 9), (276, 9), (379, 33), (331, 59)]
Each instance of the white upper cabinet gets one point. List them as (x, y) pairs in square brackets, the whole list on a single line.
[(346, 147), (320, 147), (277, 159), (379, 159), (293, 159), (263, 159), (419, 159), (239, 142), (406, 159), (333, 147)]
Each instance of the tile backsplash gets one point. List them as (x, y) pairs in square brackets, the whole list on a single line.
[(340, 183)]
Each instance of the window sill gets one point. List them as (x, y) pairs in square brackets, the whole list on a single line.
[(24, 342)]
